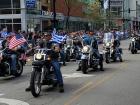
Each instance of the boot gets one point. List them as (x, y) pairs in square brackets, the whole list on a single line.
[(28, 89), (61, 89), (78, 69)]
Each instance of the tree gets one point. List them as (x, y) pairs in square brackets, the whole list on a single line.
[(94, 12), (70, 4)]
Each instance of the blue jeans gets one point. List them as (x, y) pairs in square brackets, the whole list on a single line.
[(62, 54), (96, 53), (13, 61), (57, 71)]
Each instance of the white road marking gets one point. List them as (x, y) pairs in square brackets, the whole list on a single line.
[(12, 102), (1, 94), (76, 75)]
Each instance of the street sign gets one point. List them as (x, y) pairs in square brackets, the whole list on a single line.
[(30, 3)]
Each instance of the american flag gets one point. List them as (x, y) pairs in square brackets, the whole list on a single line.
[(16, 40)]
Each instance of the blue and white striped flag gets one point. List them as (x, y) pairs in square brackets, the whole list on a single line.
[(106, 4), (57, 38), (4, 32)]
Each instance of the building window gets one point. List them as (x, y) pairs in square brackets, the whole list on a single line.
[(16, 6), (5, 21), (16, 3), (10, 7), (16, 27), (5, 4), (17, 20)]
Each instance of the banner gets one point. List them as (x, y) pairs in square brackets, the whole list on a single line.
[(30, 3)]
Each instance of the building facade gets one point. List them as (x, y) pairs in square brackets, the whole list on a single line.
[(126, 13), (19, 15), (135, 14)]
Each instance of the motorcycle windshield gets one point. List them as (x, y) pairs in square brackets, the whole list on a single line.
[(107, 38)]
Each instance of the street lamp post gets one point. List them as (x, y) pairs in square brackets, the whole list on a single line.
[(123, 19), (109, 14), (54, 14)]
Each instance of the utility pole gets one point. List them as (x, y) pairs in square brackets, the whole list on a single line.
[(136, 15), (109, 14), (123, 19), (54, 14)]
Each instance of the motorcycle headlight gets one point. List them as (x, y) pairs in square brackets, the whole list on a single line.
[(38, 56), (133, 39), (107, 44), (68, 46), (85, 49)]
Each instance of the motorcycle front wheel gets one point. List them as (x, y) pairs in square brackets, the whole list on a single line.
[(35, 83), (19, 70), (107, 58)]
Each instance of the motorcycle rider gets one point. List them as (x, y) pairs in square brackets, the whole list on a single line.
[(108, 37), (55, 54), (90, 39), (12, 52)]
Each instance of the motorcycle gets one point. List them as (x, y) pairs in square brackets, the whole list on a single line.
[(67, 50), (90, 60), (5, 64), (78, 53), (134, 45), (42, 71), (111, 53), (72, 52)]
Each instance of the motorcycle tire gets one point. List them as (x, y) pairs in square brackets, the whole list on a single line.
[(107, 57), (19, 70), (84, 66), (67, 58), (132, 51), (136, 51), (35, 84), (101, 66), (121, 58)]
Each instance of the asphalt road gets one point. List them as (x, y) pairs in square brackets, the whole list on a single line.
[(119, 84)]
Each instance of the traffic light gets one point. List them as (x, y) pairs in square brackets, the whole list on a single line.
[(129, 10)]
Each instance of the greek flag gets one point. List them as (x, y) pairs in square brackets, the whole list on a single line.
[(57, 38), (4, 34), (106, 4)]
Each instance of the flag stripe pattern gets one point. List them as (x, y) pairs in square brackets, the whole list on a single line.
[(16, 40), (4, 34), (57, 38)]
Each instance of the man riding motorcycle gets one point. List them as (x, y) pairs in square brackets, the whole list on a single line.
[(112, 41), (90, 40), (55, 54), (12, 52)]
